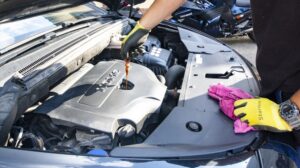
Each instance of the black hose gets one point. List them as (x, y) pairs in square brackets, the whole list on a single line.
[(169, 103), (49, 128), (47, 141), (131, 8), (37, 142), (174, 75), (174, 78)]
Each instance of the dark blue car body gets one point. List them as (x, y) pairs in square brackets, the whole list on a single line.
[(217, 18)]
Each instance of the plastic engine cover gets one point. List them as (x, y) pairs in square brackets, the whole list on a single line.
[(99, 102)]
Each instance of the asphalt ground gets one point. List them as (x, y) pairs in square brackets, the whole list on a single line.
[(242, 45)]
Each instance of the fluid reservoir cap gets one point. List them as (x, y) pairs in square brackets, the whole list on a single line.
[(193, 126)]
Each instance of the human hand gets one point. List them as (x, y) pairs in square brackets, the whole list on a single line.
[(262, 114), (134, 39)]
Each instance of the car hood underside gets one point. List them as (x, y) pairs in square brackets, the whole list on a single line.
[(13, 9)]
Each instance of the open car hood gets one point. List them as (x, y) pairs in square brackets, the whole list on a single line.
[(12, 9)]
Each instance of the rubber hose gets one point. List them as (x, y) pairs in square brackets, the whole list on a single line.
[(174, 74), (36, 141), (46, 125)]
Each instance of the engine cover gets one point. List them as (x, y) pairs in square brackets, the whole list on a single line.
[(100, 101)]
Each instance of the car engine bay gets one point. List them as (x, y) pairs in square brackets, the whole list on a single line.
[(93, 109)]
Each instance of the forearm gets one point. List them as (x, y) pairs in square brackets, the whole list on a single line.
[(158, 11), (296, 98)]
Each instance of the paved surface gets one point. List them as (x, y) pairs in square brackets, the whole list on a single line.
[(244, 46), (241, 44), (146, 4)]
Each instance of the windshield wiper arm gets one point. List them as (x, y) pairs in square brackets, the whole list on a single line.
[(41, 38), (89, 19), (34, 42), (61, 26), (16, 45)]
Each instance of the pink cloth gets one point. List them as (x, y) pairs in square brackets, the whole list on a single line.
[(226, 97)]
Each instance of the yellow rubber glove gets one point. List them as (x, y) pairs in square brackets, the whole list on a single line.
[(134, 39), (262, 114)]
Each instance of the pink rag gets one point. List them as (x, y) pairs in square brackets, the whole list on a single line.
[(227, 96)]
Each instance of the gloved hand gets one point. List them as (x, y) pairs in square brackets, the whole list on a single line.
[(134, 39), (262, 114)]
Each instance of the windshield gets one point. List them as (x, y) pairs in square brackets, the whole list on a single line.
[(17, 31)]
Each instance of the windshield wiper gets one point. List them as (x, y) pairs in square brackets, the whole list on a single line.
[(39, 39), (16, 45), (31, 43), (59, 27), (89, 19)]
